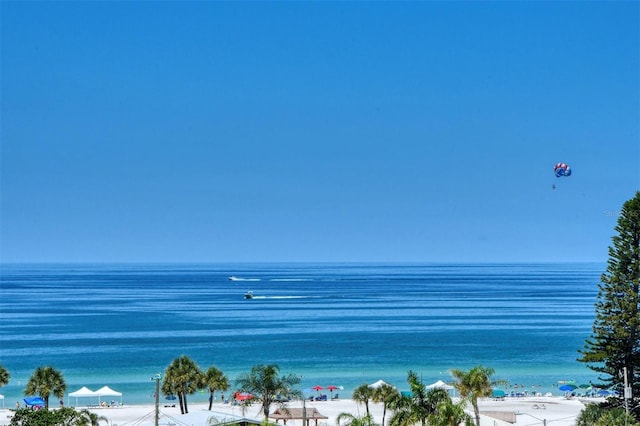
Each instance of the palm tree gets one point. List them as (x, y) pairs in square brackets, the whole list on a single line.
[(449, 414), (385, 394), (4, 376), (616, 417), (215, 380), (44, 382), (351, 420), (169, 387), (416, 408), (362, 394), (265, 385), (183, 377), (601, 415), (87, 418), (590, 414), (475, 383)]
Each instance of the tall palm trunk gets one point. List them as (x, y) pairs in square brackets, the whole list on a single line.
[(184, 395), (476, 411), (181, 401)]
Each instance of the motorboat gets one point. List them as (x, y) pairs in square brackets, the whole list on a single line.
[(248, 295)]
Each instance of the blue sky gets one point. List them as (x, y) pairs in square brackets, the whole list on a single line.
[(316, 131)]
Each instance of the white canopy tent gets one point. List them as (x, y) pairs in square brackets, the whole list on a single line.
[(107, 391), (83, 392), (378, 384), (441, 385)]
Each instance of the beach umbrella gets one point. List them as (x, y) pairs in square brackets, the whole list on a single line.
[(170, 397), (317, 388), (242, 396), (604, 392), (567, 388), (34, 400), (498, 393), (332, 388)]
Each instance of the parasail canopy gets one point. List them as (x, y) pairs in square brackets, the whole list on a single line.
[(562, 169)]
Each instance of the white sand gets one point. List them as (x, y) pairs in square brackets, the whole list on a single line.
[(556, 411)]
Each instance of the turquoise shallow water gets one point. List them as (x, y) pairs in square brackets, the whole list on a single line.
[(333, 324)]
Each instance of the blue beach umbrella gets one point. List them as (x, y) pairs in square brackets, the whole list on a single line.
[(604, 392), (567, 388), (34, 400), (498, 393)]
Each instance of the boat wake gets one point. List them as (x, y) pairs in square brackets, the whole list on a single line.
[(290, 279), (234, 278), (282, 297)]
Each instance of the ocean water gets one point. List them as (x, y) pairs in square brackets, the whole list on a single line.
[(332, 324)]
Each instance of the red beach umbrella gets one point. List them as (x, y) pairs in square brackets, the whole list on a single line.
[(317, 388), (242, 396), (332, 388)]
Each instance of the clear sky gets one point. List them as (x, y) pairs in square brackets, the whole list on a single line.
[(316, 131)]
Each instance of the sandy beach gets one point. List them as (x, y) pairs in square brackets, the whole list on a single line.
[(557, 411)]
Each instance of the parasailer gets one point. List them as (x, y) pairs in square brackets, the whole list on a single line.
[(562, 169)]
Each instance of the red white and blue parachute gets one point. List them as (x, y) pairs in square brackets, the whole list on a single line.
[(562, 169)]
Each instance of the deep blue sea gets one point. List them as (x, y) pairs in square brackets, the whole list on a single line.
[(332, 324)]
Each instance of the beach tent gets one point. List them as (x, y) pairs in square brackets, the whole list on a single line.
[(440, 385), (83, 392), (107, 391), (378, 384)]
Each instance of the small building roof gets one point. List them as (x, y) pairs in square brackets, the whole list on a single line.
[(297, 414), (505, 416), (219, 419)]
